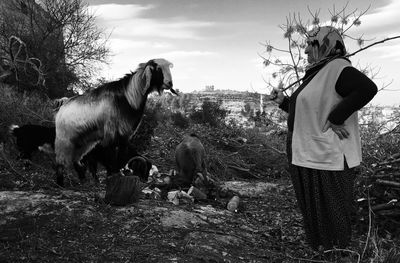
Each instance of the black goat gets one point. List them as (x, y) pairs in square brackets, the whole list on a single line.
[(30, 137), (139, 166), (114, 159)]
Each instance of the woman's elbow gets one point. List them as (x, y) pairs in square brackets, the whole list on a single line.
[(372, 91)]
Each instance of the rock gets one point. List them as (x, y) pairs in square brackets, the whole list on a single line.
[(249, 189), (181, 219)]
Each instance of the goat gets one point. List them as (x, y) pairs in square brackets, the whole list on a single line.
[(139, 166), (115, 158), (30, 137), (190, 161), (107, 115)]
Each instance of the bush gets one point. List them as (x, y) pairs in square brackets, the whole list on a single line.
[(142, 139), (23, 108), (210, 112), (179, 120)]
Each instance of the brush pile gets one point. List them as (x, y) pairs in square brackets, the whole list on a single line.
[(380, 180), (230, 152)]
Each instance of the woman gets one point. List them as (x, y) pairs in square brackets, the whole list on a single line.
[(323, 144)]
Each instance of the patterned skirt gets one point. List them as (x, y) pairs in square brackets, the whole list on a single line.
[(325, 199)]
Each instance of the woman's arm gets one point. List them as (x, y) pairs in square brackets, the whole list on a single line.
[(356, 89), (285, 104)]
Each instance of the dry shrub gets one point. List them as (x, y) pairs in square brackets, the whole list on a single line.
[(22, 108)]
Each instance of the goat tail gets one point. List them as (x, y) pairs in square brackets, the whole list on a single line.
[(12, 128)]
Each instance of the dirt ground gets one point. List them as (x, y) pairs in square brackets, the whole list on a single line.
[(42, 223), (76, 226)]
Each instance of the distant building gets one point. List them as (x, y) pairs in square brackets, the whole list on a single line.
[(209, 88)]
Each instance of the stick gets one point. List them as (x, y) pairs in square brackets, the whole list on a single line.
[(239, 168), (373, 44), (274, 149), (345, 250), (380, 176), (390, 162), (369, 224), (386, 206), (388, 183), (387, 168), (246, 170)]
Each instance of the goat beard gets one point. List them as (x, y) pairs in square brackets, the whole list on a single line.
[(173, 91), (161, 90)]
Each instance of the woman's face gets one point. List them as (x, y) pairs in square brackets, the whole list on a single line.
[(309, 51)]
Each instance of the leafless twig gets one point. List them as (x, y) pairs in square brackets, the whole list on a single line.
[(373, 44)]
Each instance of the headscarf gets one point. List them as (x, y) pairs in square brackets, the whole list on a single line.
[(326, 42)]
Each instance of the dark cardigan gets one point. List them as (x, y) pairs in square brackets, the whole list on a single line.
[(355, 88)]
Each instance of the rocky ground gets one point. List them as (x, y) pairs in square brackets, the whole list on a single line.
[(76, 226)]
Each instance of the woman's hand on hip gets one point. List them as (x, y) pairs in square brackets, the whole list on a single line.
[(277, 95), (340, 130)]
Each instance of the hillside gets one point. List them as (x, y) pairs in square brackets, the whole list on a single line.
[(240, 104)]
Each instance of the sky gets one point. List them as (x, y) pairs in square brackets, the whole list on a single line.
[(219, 42)]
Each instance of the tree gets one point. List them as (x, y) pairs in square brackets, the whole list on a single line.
[(289, 65), (60, 37)]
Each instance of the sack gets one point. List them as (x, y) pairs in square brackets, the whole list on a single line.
[(122, 190)]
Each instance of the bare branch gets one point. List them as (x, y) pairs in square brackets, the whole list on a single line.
[(373, 44), (357, 19)]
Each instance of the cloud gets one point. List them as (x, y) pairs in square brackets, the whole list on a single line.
[(138, 27), (383, 20), (391, 52), (178, 54), (123, 44), (114, 12), (127, 21)]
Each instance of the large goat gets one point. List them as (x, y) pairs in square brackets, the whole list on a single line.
[(107, 115), (190, 161)]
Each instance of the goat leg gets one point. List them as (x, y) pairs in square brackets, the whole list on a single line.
[(80, 170), (93, 170), (60, 170)]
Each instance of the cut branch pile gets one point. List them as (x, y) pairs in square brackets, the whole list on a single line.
[(383, 184), (229, 153)]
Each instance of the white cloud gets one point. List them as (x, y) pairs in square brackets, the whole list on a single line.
[(387, 14), (178, 54), (119, 12), (391, 52), (161, 45), (141, 27), (123, 44), (381, 21), (128, 21)]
